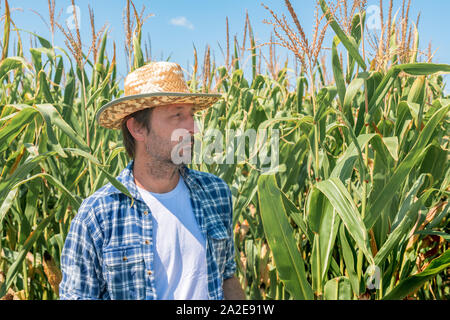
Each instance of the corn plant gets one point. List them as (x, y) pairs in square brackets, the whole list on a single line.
[(366, 222), (53, 153), (357, 208)]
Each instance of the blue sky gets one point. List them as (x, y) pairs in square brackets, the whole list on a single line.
[(177, 25)]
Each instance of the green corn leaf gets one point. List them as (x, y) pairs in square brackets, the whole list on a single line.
[(44, 88), (44, 42), (357, 21), (300, 92), (323, 242), (417, 91), (15, 125), (31, 200), (6, 205), (59, 71), (52, 117), (21, 173), (349, 256), (316, 267), (328, 230), (382, 89), (405, 220), (69, 89), (423, 69), (416, 97), (355, 38), (101, 52), (11, 63), (361, 167), (350, 94), (403, 169), (75, 200), (391, 144), (413, 282), (408, 200), (236, 55), (48, 113), (87, 155), (337, 71), (315, 206), (99, 89), (342, 202), (36, 57), (116, 183), (138, 55), (14, 268), (279, 234), (293, 212), (352, 49), (345, 163), (403, 115), (245, 194), (50, 52), (338, 289), (435, 162), (416, 69)]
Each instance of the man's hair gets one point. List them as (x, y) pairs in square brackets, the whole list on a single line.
[(142, 118)]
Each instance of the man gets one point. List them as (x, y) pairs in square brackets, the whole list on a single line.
[(173, 238)]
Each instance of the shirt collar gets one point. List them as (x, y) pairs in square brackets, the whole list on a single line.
[(126, 177)]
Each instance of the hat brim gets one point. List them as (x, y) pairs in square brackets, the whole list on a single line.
[(111, 114)]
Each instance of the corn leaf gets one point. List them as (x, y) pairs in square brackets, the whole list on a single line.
[(338, 289), (279, 233), (413, 282), (14, 268), (352, 49), (52, 117), (11, 63), (349, 256), (405, 220), (401, 172), (342, 202)]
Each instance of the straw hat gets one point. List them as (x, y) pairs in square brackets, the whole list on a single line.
[(155, 84)]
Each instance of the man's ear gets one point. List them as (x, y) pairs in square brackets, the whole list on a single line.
[(138, 132)]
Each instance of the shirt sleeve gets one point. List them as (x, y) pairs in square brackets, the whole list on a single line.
[(230, 265), (81, 269)]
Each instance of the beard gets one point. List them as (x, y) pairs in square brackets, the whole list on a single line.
[(163, 157)]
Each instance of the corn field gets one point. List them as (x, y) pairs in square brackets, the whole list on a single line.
[(356, 209)]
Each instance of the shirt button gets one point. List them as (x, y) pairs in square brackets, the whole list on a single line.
[(145, 212), (125, 258), (149, 272), (147, 242)]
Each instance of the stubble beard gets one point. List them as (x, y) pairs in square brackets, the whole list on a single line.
[(159, 162)]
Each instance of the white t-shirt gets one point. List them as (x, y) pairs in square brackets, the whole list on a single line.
[(179, 247)]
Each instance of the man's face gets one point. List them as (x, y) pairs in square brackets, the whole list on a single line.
[(171, 134)]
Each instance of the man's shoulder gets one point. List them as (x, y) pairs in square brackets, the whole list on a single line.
[(207, 179), (101, 200)]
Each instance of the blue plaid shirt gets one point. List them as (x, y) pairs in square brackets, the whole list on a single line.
[(108, 252)]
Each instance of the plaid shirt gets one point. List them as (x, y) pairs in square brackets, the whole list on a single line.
[(108, 252)]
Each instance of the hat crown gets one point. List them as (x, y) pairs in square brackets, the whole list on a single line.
[(155, 84), (160, 76)]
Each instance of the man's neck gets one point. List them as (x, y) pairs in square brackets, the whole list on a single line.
[(154, 176)]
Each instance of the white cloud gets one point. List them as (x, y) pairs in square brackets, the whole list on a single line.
[(182, 22)]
